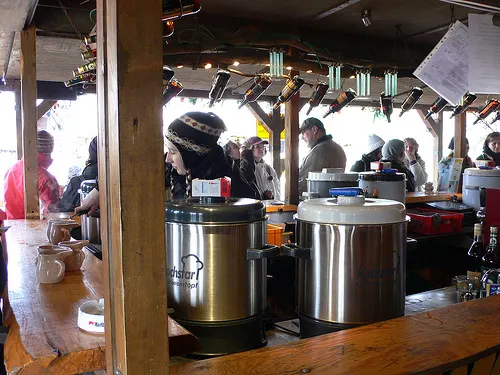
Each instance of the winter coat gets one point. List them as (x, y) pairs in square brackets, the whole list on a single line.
[(488, 154), (418, 170), (324, 153), (48, 188), (399, 165), (71, 196), (362, 165)]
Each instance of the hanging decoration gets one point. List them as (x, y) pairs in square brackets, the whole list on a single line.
[(173, 88), (317, 95), (291, 88), (175, 9), (260, 84), (86, 74), (466, 101), (491, 106), (363, 82), (219, 85), (436, 107), (168, 74), (391, 82), (334, 78), (386, 105), (342, 100), (412, 99), (276, 63)]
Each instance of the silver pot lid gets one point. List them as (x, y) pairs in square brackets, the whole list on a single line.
[(324, 176), (351, 211), (482, 172), (381, 176), (214, 210)]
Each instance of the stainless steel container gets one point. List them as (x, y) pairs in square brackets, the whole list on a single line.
[(216, 273), (384, 185), (351, 262), (90, 225), (319, 183)]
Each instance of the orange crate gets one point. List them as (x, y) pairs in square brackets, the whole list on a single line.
[(274, 234)]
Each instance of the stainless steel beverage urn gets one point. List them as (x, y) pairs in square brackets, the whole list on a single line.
[(385, 185), (351, 266), (216, 270), (319, 183), (91, 230)]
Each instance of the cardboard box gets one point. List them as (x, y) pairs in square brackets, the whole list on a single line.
[(220, 187)]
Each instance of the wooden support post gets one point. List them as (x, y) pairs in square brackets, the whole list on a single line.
[(19, 120), (292, 108), (460, 130), (43, 107), (277, 126), (131, 186), (436, 129), (28, 100)]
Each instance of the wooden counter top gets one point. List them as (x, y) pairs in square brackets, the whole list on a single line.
[(434, 342), (421, 197), (43, 334)]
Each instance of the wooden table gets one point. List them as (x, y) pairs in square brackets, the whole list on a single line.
[(43, 334), (421, 197)]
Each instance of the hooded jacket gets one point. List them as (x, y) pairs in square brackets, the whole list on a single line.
[(48, 188)]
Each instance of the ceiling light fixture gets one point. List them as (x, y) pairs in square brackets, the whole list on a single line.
[(309, 71), (288, 68), (352, 77), (180, 66), (208, 66), (236, 63)]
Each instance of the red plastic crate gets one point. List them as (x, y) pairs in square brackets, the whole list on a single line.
[(427, 221)]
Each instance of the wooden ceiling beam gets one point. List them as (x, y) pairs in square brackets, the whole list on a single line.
[(336, 9)]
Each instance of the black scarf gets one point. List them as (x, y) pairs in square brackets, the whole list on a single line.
[(494, 155)]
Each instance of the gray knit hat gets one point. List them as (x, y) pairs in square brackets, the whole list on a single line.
[(393, 149), (45, 142)]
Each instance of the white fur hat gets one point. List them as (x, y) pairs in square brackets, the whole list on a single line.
[(374, 142)]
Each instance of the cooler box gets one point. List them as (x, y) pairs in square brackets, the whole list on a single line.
[(428, 221)]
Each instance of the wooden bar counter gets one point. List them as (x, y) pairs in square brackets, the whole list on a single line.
[(42, 318)]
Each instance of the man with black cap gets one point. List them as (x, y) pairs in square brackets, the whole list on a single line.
[(324, 153), (48, 187)]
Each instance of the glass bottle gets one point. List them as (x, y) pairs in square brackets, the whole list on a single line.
[(317, 96), (341, 101), (219, 84), (173, 89), (89, 54), (85, 68), (412, 99), (291, 88), (475, 254), (386, 105), (467, 100), (90, 39), (260, 84), (173, 9), (83, 78), (436, 107), (168, 28), (496, 118), (167, 75), (491, 259), (490, 106)]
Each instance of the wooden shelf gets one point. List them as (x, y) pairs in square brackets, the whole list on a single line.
[(421, 197)]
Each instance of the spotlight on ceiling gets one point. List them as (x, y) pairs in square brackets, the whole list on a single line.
[(352, 77), (208, 66), (366, 17), (180, 66), (288, 68), (236, 63), (309, 71)]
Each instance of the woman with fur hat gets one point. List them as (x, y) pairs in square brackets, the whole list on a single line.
[(372, 153), (394, 152), (48, 187), (193, 153)]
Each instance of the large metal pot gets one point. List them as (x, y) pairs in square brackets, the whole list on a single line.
[(90, 225), (319, 183), (475, 178), (351, 262), (384, 185), (216, 274)]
